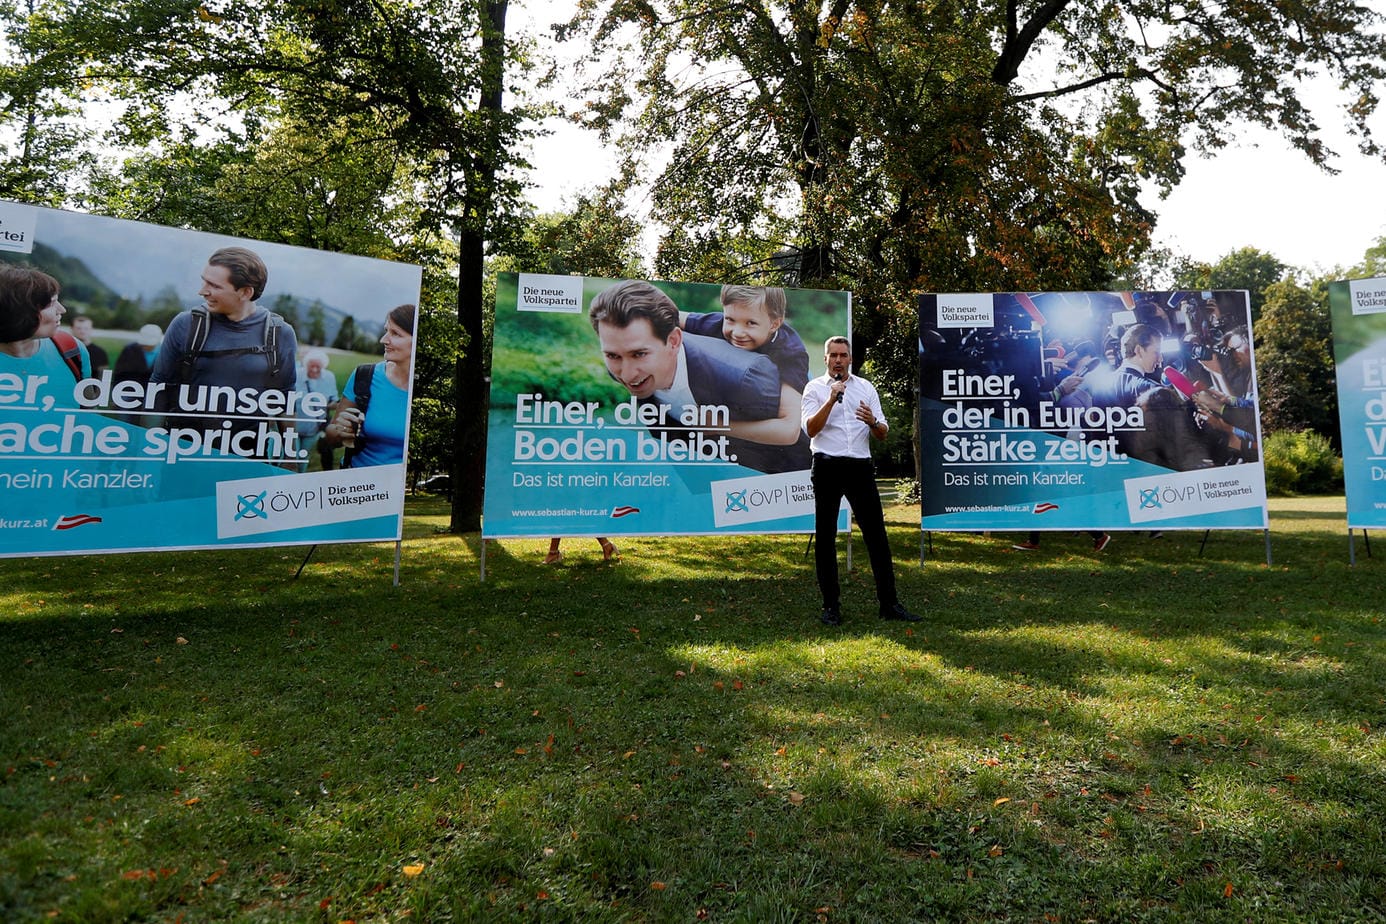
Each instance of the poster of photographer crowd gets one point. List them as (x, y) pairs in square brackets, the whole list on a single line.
[(197, 404), (1358, 310), (1089, 410), (625, 407)]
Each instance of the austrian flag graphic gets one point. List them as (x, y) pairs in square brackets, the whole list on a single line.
[(623, 511), (1045, 508), (75, 520)]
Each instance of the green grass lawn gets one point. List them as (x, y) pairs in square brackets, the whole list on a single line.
[(1145, 734)]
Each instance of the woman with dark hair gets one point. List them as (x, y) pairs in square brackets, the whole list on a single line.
[(373, 414), (30, 315)]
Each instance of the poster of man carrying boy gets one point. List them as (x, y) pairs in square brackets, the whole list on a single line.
[(627, 407)]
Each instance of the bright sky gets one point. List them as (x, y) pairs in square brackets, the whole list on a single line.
[(1257, 192), (1270, 197)]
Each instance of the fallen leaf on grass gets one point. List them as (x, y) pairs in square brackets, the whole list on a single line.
[(1002, 801), (995, 851), (658, 886), (413, 869), (1227, 890), (796, 798)]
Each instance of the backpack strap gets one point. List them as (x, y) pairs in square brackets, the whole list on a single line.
[(199, 326), (361, 393), (364, 373), (71, 352), (272, 325)]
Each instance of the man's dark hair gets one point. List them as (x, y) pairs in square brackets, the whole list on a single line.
[(24, 293), (628, 301), (244, 268), (1136, 337)]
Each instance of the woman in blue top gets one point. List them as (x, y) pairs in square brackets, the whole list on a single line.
[(29, 317), (378, 435)]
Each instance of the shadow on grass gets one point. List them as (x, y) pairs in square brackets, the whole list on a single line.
[(1114, 736)]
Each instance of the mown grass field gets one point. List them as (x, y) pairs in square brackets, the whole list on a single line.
[(1145, 734)]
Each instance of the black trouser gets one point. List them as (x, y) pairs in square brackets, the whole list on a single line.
[(834, 478)]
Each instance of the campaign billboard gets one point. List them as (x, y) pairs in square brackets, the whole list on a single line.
[(171, 389), (1089, 410), (1358, 310), (633, 407)]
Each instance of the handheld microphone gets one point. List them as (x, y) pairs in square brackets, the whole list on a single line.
[(1181, 383), (838, 397)]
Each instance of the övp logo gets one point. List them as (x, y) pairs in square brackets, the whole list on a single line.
[(251, 508)]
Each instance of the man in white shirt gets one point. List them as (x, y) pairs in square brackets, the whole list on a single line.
[(841, 413)]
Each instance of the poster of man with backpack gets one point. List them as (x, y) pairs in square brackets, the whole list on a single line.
[(228, 342), (210, 450)]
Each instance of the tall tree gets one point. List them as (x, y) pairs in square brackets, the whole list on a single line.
[(900, 147)]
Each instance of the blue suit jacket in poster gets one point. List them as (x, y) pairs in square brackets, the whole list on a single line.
[(748, 384)]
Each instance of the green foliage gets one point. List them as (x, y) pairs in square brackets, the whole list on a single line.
[(593, 237), (674, 737), (1245, 268), (1301, 462), (1294, 361)]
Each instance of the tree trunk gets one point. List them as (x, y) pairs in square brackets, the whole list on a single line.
[(472, 391)]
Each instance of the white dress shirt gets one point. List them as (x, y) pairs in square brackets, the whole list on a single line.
[(679, 395), (843, 434)]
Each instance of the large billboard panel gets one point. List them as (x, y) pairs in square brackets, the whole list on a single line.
[(199, 415), (1089, 410), (626, 407), (1358, 309)]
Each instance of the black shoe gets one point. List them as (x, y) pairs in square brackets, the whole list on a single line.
[(898, 612), (831, 616)]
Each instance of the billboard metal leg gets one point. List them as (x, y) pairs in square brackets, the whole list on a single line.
[(1352, 547), (311, 549), (397, 545), (1204, 543), (1268, 550), (484, 543), (1368, 540)]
